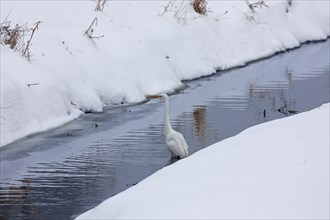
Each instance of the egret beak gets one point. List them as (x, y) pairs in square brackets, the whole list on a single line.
[(153, 96)]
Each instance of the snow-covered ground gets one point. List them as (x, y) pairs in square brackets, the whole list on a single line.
[(143, 49), (276, 170)]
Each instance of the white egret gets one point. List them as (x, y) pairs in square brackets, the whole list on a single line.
[(175, 141)]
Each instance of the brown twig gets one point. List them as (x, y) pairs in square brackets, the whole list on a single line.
[(100, 5), (26, 52), (90, 30), (32, 84)]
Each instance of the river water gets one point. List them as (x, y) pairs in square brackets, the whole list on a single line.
[(66, 171)]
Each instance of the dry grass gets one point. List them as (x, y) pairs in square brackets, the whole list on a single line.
[(257, 4), (90, 30), (100, 5), (27, 52), (250, 15), (182, 10), (14, 37), (200, 6)]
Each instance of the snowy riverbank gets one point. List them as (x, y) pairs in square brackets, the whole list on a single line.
[(276, 170), (141, 50)]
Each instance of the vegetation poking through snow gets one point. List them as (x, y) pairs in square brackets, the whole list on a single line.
[(184, 12), (250, 16), (221, 16), (258, 4), (14, 37), (100, 5), (291, 3), (90, 30), (200, 6), (26, 51)]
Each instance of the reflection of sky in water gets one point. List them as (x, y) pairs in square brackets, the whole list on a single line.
[(73, 168)]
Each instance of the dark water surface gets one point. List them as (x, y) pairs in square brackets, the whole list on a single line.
[(64, 172)]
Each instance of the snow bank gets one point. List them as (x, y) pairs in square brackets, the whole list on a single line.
[(275, 170), (141, 50)]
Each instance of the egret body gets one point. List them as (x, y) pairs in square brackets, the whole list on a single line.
[(175, 141)]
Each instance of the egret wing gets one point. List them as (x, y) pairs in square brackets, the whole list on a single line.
[(177, 144)]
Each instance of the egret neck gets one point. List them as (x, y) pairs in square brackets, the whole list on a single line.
[(166, 114)]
